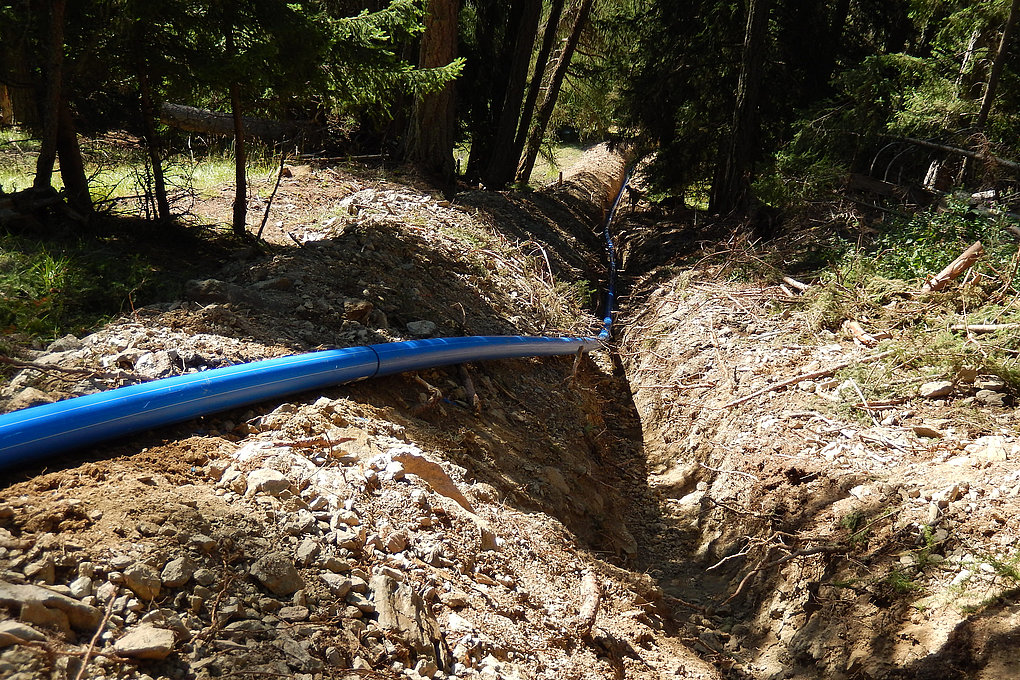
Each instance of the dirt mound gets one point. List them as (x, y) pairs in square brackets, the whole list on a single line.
[(465, 522), (807, 531)]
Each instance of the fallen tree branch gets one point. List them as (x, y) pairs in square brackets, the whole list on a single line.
[(963, 152), (591, 593), (954, 268), (807, 376), (983, 327)]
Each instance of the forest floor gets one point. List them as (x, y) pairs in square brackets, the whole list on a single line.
[(620, 517)]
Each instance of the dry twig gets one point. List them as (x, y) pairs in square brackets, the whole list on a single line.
[(806, 376)]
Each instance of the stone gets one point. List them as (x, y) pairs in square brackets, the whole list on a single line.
[(266, 480), (65, 344), (178, 572), (78, 615), (42, 570), (361, 602), (146, 642), (925, 431), (401, 610), (338, 585), (277, 573), (307, 551), (421, 329), (293, 613), (991, 398), (204, 577), (17, 633), (143, 580), (936, 389), (81, 587), (28, 397)]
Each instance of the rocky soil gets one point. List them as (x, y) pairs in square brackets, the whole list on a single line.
[(469, 522), (808, 531), (710, 496)]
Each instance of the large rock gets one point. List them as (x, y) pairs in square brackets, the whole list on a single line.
[(178, 572), (32, 600), (17, 633), (402, 611), (143, 580), (277, 573), (266, 480), (146, 642)]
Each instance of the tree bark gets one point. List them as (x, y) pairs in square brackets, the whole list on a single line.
[(433, 125), (153, 143), (541, 64), (549, 103), (502, 163), (1000, 61), (6, 107), (72, 168), (239, 223), (731, 192), (50, 109)]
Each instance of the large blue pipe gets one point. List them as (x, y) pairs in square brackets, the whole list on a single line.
[(36, 432)]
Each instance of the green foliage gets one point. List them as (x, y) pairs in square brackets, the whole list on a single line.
[(51, 289)]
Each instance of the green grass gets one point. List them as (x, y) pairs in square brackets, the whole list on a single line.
[(552, 161)]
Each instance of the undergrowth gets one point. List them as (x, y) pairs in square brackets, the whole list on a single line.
[(877, 283)]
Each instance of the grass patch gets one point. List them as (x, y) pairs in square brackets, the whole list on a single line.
[(878, 284), (552, 161)]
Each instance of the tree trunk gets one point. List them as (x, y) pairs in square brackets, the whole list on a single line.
[(239, 224), (193, 119), (72, 169), (502, 163), (50, 109), (1000, 61), (497, 46), (433, 125), (6, 107), (549, 103), (732, 189), (541, 63), (152, 141)]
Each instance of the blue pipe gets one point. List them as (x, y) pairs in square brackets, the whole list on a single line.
[(607, 321), (40, 431)]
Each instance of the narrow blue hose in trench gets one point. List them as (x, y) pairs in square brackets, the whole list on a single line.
[(607, 321)]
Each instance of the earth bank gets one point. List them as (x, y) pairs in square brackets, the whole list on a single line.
[(467, 522)]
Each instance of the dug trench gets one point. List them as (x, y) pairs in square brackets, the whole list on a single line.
[(538, 518), (474, 521)]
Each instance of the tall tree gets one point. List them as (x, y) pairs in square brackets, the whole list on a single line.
[(552, 23), (997, 65), (433, 124), (552, 92), (50, 108), (502, 160), (731, 190)]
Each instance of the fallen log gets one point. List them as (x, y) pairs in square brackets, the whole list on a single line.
[(954, 269), (193, 119)]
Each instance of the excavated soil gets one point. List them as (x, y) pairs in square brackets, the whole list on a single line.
[(683, 503), (475, 521)]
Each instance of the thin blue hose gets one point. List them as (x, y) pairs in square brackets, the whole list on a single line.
[(40, 431), (607, 321)]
